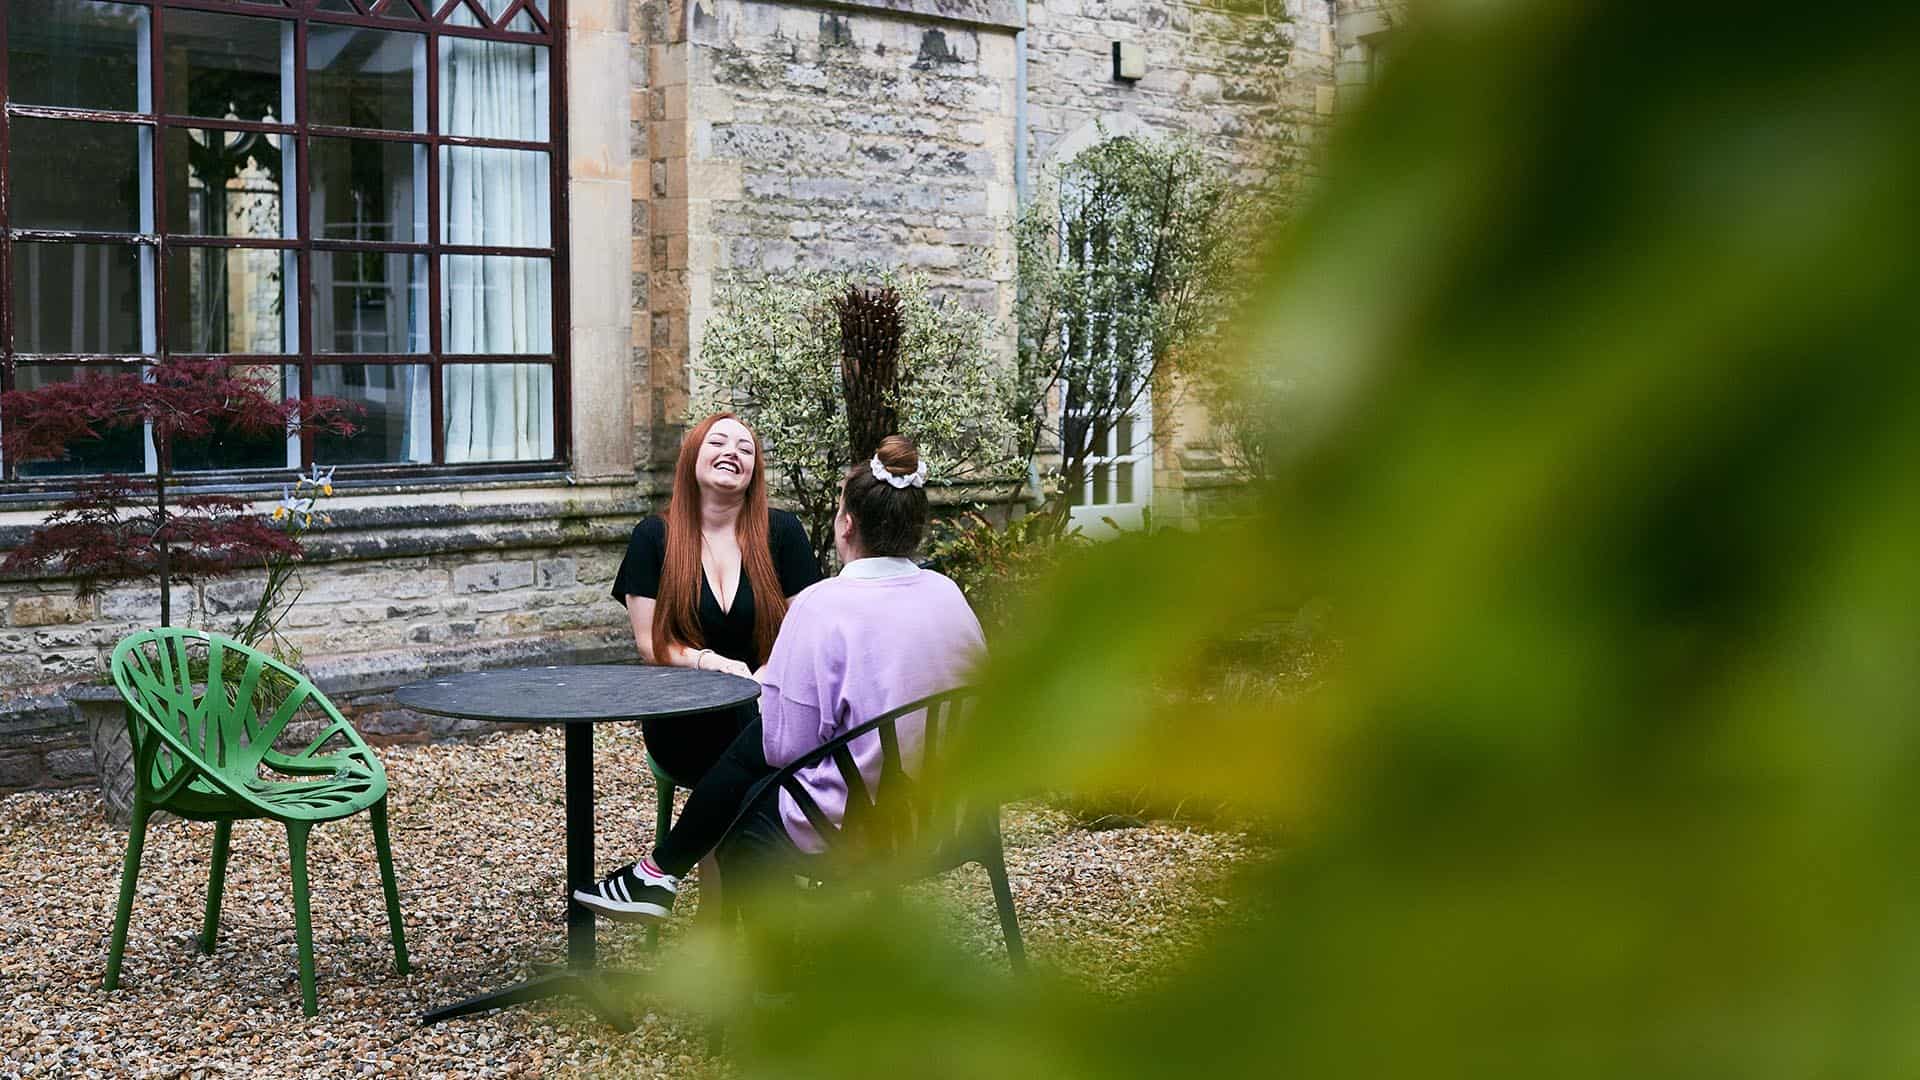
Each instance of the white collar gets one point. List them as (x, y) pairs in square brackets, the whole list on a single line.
[(876, 567)]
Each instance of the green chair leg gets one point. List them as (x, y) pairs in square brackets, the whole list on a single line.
[(302, 919), (662, 821), (129, 877), (389, 886), (216, 883)]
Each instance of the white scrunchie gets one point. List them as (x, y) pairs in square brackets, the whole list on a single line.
[(917, 478)]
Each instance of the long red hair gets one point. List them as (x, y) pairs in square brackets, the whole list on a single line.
[(676, 611)]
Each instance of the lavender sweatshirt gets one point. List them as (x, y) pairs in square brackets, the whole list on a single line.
[(881, 634)]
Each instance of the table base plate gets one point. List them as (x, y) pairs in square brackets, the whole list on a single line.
[(608, 992)]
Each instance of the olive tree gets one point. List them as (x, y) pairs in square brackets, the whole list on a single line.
[(773, 352)]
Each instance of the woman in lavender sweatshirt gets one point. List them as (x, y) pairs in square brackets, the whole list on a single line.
[(881, 634)]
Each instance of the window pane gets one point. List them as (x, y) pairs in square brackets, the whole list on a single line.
[(493, 90), (498, 412), (65, 174), (497, 198), (226, 183), (1123, 436), (369, 302), (1123, 481), (77, 53), (229, 449), (227, 300), (82, 298), (397, 425), (1100, 474), (121, 451), (368, 190), (229, 66), (496, 304), (366, 78)]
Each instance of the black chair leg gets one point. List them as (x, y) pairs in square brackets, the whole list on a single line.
[(996, 862)]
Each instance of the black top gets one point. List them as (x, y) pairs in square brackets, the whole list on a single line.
[(730, 632), (600, 692)]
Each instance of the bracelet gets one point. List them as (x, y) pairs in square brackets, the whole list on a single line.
[(700, 659)]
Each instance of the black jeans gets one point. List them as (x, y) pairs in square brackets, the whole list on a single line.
[(732, 785), (687, 749)]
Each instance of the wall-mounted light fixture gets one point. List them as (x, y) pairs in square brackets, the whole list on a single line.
[(1129, 61)]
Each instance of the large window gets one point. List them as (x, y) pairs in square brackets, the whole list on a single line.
[(354, 197)]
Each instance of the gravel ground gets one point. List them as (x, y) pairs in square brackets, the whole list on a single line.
[(479, 889)]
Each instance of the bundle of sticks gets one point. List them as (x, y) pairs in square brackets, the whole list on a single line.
[(871, 328)]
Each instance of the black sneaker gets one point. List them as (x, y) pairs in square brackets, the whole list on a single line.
[(631, 894)]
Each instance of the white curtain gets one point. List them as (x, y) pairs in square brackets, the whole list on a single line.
[(404, 331), (496, 304)]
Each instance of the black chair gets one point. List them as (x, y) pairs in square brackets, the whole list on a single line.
[(908, 826)]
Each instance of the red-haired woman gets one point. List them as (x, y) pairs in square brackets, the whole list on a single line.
[(706, 583)]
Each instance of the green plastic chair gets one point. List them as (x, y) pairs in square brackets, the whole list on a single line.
[(203, 712)]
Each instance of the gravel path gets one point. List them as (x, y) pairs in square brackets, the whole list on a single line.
[(479, 889)]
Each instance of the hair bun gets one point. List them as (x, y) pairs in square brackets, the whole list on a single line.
[(898, 455)]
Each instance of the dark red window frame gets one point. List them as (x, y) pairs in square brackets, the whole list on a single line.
[(430, 21)]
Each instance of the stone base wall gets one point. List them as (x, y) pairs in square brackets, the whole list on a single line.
[(389, 595)]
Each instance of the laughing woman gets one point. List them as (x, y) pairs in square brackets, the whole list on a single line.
[(706, 583)]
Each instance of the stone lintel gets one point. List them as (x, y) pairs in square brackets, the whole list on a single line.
[(979, 14)]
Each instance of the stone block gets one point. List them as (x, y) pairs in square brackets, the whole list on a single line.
[(64, 638), (555, 573), (223, 597), (667, 139), (70, 764), (448, 727), (307, 616), (492, 577), (21, 770), (49, 610), (389, 723), (67, 664), (141, 605), (928, 256)]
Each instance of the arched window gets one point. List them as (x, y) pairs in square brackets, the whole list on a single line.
[(1106, 345)]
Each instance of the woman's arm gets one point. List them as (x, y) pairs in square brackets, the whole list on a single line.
[(640, 614)]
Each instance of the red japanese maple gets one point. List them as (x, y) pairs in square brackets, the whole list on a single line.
[(117, 528)]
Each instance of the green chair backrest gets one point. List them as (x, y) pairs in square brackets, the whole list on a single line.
[(201, 702)]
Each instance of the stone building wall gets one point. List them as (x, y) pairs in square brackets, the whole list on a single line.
[(1244, 78), (782, 136)]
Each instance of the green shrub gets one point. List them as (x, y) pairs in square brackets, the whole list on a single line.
[(994, 566)]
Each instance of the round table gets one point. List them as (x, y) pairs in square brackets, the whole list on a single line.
[(576, 697)]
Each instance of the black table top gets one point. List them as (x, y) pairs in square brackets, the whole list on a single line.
[(578, 694)]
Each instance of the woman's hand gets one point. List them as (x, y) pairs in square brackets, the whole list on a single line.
[(716, 662)]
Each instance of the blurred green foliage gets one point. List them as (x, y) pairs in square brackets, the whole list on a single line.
[(1606, 314)]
